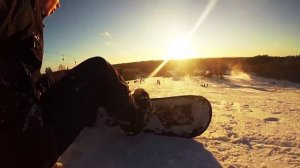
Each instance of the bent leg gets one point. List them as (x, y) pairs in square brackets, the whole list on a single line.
[(73, 101)]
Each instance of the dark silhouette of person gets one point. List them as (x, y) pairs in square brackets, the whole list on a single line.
[(37, 127)]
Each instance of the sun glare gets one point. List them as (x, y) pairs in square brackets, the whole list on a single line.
[(180, 49)]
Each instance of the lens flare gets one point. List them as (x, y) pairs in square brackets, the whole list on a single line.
[(158, 68), (210, 6), (184, 50)]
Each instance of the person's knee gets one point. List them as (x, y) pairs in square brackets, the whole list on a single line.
[(97, 59), (96, 62)]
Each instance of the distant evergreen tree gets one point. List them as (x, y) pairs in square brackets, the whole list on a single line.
[(61, 67), (48, 70)]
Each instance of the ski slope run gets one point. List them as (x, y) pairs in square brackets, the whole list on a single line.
[(255, 124)]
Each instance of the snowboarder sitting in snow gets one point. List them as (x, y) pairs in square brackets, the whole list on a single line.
[(35, 130)]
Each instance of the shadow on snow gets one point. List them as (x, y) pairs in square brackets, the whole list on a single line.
[(107, 147)]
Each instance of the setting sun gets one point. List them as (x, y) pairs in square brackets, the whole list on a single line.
[(180, 49)]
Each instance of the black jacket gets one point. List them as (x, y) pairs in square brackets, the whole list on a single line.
[(21, 53), (21, 38), (24, 142)]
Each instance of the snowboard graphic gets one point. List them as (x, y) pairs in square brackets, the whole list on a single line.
[(180, 116)]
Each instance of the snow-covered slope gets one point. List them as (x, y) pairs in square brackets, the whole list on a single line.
[(255, 124)]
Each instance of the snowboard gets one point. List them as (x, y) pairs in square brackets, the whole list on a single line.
[(180, 116)]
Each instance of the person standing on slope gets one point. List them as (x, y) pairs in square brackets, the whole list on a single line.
[(36, 129)]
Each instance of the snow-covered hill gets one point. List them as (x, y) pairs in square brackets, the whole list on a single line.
[(255, 124)]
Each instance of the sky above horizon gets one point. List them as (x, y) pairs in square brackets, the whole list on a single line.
[(138, 30)]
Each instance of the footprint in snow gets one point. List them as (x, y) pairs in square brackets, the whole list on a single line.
[(271, 119)]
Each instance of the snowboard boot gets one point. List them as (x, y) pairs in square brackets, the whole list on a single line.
[(137, 114)]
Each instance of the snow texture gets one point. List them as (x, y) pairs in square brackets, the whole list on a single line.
[(255, 124)]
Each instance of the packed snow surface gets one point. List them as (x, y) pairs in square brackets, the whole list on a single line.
[(256, 123)]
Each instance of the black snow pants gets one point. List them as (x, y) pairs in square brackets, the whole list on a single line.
[(66, 107), (72, 102)]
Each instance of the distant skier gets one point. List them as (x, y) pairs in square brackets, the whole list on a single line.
[(36, 129), (141, 79)]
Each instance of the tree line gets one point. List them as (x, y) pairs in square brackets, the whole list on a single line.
[(286, 68)]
